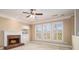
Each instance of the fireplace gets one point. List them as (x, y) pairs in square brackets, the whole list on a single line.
[(13, 39)]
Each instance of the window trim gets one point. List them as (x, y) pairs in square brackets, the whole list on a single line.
[(62, 33), (51, 39)]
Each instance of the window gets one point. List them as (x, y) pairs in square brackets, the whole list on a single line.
[(58, 30), (47, 31), (38, 32)]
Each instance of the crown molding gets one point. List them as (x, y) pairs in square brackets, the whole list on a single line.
[(51, 20)]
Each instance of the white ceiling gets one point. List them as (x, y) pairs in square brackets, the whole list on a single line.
[(47, 13)]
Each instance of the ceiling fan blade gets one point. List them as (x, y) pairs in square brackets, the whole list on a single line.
[(28, 16), (26, 12), (38, 13)]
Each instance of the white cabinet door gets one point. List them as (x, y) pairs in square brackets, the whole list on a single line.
[(25, 36)]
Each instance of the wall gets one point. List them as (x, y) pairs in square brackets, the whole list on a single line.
[(8, 25), (1, 38), (68, 30), (32, 32), (77, 22), (75, 38)]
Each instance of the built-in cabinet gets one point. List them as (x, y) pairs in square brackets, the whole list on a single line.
[(25, 35)]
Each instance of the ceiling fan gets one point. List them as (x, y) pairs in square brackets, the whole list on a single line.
[(31, 13)]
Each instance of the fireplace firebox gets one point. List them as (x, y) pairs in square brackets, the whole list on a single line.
[(13, 39)]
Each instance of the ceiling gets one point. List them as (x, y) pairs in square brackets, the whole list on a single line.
[(47, 14)]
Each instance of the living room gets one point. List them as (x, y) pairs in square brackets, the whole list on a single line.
[(37, 29)]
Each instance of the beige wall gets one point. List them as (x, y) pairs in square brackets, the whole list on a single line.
[(32, 32), (77, 22), (1, 38), (8, 25), (68, 30)]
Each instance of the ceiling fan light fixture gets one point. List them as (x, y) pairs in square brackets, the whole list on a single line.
[(32, 16)]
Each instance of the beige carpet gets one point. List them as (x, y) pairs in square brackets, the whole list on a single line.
[(36, 45)]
